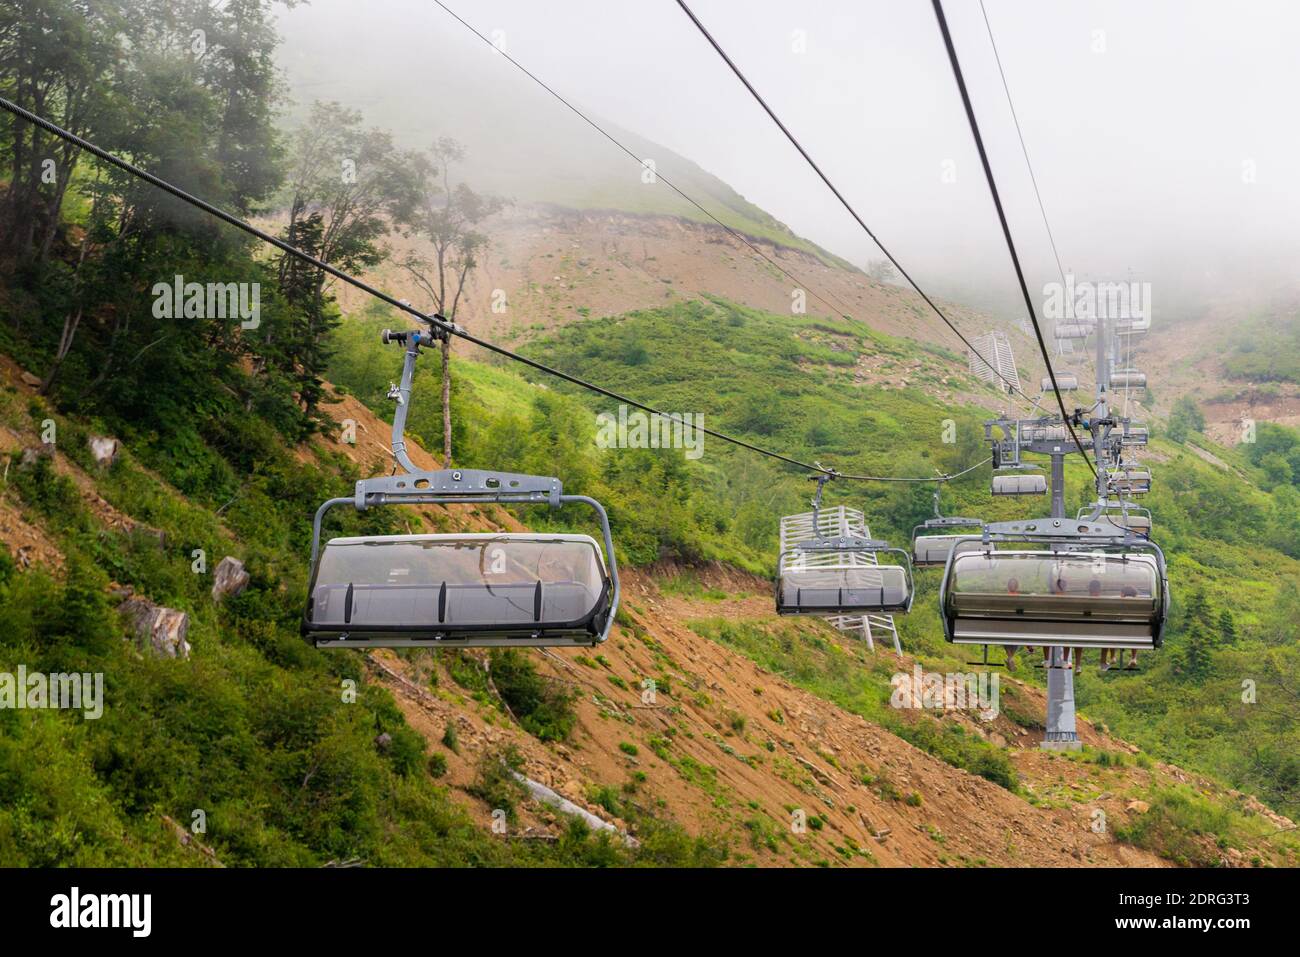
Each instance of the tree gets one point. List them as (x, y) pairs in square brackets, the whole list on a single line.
[(348, 187), (881, 270), (1185, 418), (449, 216), (56, 58)]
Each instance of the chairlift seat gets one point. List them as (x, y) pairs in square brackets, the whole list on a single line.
[(1074, 330), (1065, 381), (931, 550), (843, 589), (1019, 484), (1128, 379), (461, 589), (1131, 481), (1092, 599), (1134, 326)]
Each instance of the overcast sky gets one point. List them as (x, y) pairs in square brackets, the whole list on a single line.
[(1164, 133)]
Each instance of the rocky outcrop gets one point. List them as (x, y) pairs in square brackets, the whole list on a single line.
[(35, 453), (159, 631), (103, 450), (230, 578)]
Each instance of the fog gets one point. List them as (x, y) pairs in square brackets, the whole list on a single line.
[(1162, 133)]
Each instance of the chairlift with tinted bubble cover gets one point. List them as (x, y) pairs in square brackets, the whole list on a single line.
[(1056, 582), (831, 573), (463, 590), (1130, 380), (933, 539), (1065, 381)]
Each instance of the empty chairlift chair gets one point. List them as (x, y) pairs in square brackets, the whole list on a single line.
[(1019, 483), (517, 589), (1125, 517), (834, 574), (1130, 380), (1129, 481), (1100, 588), (1065, 381), (1132, 327), (934, 538), (1134, 436), (1075, 330)]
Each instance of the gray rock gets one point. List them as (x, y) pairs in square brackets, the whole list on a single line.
[(158, 630), (230, 578), (104, 449)]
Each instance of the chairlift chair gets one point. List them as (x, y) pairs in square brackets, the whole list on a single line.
[(1129, 480), (1125, 516), (1132, 327), (1056, 582), (1134, 436), (1129, 379), (1065, 381), (1074, 330), (931, 540), (1019, 483), (462, 590), (841, 574)]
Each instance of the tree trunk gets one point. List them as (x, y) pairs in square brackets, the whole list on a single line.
[(446, 402)]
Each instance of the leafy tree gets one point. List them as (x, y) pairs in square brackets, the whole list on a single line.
[(348, 187), (1185, 418), (449, 217), (56, 59)]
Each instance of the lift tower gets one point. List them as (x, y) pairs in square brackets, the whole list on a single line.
[(1050, 436)]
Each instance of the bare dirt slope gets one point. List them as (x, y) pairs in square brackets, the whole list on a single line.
[(555, 265)]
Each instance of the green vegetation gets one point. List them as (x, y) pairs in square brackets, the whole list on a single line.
[(843, 671), (1266, 349), (542, 706), (1189, 829)]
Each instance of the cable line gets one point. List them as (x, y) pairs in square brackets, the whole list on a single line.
[(844, 202), (441, 325), (1030, 166), (843, 310), (1002, 218)]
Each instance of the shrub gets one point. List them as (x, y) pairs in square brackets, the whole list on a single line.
[(543, 706)]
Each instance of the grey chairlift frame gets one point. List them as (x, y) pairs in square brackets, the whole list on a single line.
[(1072, 535), (844, 543), (1105, 510), (416, 486), (940, 521)]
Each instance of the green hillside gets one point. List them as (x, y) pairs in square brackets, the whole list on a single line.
[(1234, 562), (228, 446)]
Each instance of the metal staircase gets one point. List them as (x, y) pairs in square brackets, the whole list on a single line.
[(997, 347)]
